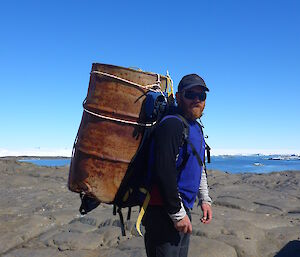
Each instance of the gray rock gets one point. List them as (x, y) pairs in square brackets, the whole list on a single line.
[(243, 247), (9, 240), (64, 216), (136, 253), (85, 220), (80, 227), (243, 236), (34, 226), (282, 235), (111, 253), (76, 241), (80, 253), (44, 252), (134, 243), (204, 247), (108, 222), (45, 237), (111, 236)]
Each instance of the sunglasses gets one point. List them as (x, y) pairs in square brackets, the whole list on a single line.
[(192, 95)]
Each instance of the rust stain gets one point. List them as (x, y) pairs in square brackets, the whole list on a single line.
[(105, 148)]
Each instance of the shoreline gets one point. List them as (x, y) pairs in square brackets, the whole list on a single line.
[(67, 153), (33, 157), (230, 165)]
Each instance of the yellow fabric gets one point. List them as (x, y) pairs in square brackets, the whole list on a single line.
[(126, 195), (141, 214), (169, 86), (143, 190)]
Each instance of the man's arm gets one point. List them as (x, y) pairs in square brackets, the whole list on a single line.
[(167, 141), (203, 193), (204, 199)]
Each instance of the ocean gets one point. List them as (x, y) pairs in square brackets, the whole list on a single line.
[(48, 162), (254, 163), (226, 163)]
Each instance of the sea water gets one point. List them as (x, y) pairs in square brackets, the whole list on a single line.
[(48, 162), (254, 163), (226, 163)]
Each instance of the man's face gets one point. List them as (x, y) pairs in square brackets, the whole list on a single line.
[(191, 102)]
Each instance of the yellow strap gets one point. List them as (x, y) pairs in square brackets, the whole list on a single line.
[(170, 86), (143, 190), (141, 214)]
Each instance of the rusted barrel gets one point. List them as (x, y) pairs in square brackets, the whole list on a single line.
[(111, 129)]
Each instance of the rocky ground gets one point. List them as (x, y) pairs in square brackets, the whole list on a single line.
[(254, 215)]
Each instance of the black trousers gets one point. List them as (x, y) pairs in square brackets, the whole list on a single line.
[(161, 237)]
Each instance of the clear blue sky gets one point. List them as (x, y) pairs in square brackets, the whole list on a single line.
[(247, 51)]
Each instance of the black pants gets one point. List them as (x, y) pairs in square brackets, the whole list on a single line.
[(161, 237)]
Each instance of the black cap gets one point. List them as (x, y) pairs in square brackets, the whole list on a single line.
[(191, 80)]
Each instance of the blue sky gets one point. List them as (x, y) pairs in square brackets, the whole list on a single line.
[(248, 52)]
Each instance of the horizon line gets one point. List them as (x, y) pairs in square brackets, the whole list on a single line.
[(67, 152)]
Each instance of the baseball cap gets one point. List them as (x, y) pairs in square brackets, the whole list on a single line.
[(191, 80)]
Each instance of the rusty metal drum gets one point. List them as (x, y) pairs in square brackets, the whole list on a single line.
[(111, 128)]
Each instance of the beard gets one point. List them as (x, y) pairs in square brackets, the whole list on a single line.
[(197, 113), (193, 111)]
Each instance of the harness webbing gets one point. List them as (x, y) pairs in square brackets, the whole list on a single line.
[(141, 214), (121, 222), (189, 142), (195, 153)]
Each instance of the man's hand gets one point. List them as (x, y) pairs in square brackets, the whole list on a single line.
[(184, 225), (207, 213)]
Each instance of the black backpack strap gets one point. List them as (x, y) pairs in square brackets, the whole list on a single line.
[(121, 221), (185, 136), (115, 210), (207, 148), (195, 153), (186, 132), (119, 211), (185, 159), (129, 213), (186, 127)]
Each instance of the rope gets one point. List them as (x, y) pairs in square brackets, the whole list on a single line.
[(119, 120), (152, 87)]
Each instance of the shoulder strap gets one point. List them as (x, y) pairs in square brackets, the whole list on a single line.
[(186, 125), (186, 132), (207, 147), (195, 153)]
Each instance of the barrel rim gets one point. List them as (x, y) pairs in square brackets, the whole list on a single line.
[(126, 68)]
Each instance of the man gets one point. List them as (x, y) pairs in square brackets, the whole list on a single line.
[(178, 174)]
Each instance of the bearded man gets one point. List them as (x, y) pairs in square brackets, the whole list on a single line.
[(178, 174)]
